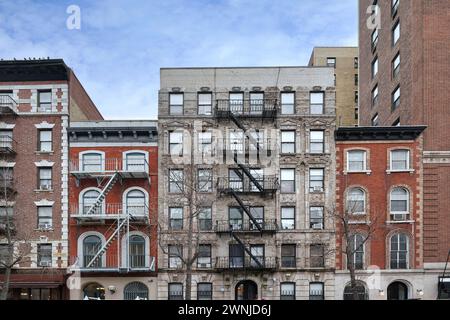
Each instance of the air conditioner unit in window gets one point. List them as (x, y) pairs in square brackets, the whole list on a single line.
[(318, 189), (46, 187), (318, 226), (45, 264), (45, 226), (400, 216)]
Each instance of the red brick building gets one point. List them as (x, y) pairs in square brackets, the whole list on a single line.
[(379, 186), (404, 79), (38, 99), (113, 209)]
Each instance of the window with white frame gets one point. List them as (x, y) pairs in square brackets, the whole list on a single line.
[(137, 252), (135, 162), (205, 180), (400, 160), (176, 143), (205, 104), (91, 162), (236, 141), (288, 218), (288, 142), (44, 255), (88, 199), (45, 217), (356, 161), (45, 178), (256, 102), (399, 204), (175, 256), (287, 103), (205, 142), (317, 102), (176, 218), (287, 180), (356, 244), (317, 141), (44, 100), (399, 255), (176, 181), (236, 102), (136, 203), (91, 245), (45, 140), (356, 201), (176, 103), (204, 256), (316, 180)]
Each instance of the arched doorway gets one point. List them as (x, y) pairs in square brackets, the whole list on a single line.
[(135, 291), (94, 291), (246, 290), (360, 290), (397, 291)]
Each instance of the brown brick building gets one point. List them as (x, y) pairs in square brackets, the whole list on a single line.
[(37, 100), (344, 60), (404, 79)]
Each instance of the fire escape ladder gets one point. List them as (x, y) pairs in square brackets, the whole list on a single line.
[(441, 282), (109, 185), (246, 210), (246, 249), (104, 248), (248, 174), (237, 121)]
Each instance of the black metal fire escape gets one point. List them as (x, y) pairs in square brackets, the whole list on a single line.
[(235, 112)]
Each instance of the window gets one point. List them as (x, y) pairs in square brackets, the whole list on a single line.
[(288, 256), (356, 113), (205, 219), (136, 162), (205, 104), (396, 65), (316, 141), (136, 203), (356, 97), (204, 291), (256, 102), (360, 292), (375, 121), (176, 218), (396, 98), (175, 291), (287, 142), (374, 95), (331, 62), (44, 255), (316, 291), (176, 181), (374, 67), (6, 139), (258, 174), (399, 203), (45, 217), (258, 214), (287, 291), (88, 200), (287, 103), (258, 252), (335, 80), (396, 33), (137, 252), (399, 251), (205, 180), (396, 123), (287, 180), (395, 4), (92, 162), (204, 256), (44, 100), (135, 291), (316, 253), (237, 103), (356, 201), (176, 102), (236, 254), (45, 140), (236, 179), (356, 161), (237, 141), (356, 63), (399, 160), (176, 143), (175, 256), (374, 38), (288, 218), (235, 217), (205, 142), (45, 178), (91, 246), (356, 79), (316, 183), (317, 102), (316, 218), (356, 244)]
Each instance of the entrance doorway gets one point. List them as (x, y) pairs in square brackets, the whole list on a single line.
[(397, 291), (94, 291), (246, 290)]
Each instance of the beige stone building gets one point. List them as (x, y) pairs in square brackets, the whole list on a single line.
[(344, 60), (254, 185)]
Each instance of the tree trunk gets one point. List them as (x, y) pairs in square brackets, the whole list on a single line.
[(5, 289), (189, 259)]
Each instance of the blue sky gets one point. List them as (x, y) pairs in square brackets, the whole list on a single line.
[(122, 44)]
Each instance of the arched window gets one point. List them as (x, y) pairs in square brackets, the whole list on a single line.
[(92, 162), (359, 292), (88, 200), (356, 201), (135, 291), (135, 162), (135, 203), (137, 252), (399, 204), (399, 251), (356, 245), (91, 245)]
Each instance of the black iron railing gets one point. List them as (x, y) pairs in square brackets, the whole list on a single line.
[(246, 263), (266, 108), (226, 185), (226, 226)]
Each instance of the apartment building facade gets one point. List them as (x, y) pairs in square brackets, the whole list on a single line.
[(246, 165), (380, 191), (345, 62), (404, 75), (113, 210), (37, 100)]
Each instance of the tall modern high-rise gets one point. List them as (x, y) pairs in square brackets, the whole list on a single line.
[(344, 60), (404, 80), (247, 173)]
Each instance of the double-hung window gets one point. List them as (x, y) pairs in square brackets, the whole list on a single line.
[(316, 180), (176, 143), (287, 103), (287, 180), (176, 218), (356, 161), (176, 103), (205, 180), (176, 181), (288, 218), (44, 100), (204, 256), (288, 142), (45, 178), (317, 102), (399, 160), (45, 140), (205, 104), (316, 141)]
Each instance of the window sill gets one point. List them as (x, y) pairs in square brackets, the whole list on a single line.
[(400, 222), (44, 152), (368, 172), (283, 154), (44, 230), (43, 191), (400, 171), (354, 222)]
